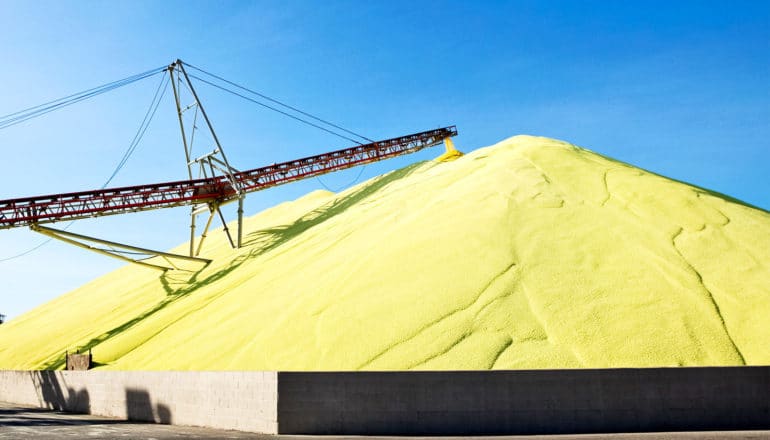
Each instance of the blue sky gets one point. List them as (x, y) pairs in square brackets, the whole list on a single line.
[(679, 88)]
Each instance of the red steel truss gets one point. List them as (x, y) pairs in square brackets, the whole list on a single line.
[(218, 190)]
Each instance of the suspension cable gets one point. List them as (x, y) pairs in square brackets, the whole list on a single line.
[(275, 101), (148, 116), (32, 249), (347, 185), (275, 109), (39, 110)]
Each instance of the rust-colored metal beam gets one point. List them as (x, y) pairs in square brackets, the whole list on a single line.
[(217, 190)]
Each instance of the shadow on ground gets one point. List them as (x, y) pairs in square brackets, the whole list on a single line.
[(54, 394)]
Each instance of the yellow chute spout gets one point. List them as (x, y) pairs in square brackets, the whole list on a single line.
[(451, 152)]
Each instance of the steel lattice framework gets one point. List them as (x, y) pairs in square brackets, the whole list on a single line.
[(217, 190), (217, 182)]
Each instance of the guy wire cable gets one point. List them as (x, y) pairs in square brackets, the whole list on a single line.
[(129, 151), (275, 101), (41, 109), (275, 109)]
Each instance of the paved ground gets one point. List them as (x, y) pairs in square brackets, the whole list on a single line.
[(17, 422)]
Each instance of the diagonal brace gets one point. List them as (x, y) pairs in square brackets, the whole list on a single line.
[(78, 239)]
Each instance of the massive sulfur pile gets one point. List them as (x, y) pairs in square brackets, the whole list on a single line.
[(531, 253)]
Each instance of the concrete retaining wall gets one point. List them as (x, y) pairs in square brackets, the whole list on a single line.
[(524, 402), (228, 400), (469, 402)]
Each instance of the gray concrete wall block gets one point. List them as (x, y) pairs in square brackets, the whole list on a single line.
[(523, 402), (213, 399), (460, 402)]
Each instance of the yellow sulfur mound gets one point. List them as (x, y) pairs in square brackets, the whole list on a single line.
[(531, 253)]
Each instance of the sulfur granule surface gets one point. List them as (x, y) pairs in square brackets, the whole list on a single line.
[(531, 253)]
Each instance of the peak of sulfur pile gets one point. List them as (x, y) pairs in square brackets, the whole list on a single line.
[(531, 253)]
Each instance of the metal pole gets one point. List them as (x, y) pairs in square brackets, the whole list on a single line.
[(240, 221), (44, 231), (192, 231), (224, 226), (57, 232), (229, 173), (187, 147), (205, 116), (205, 230), (171, 69), (179, 115)]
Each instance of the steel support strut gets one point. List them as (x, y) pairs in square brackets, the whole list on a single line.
[(214, 184), (214, 161), (78, 239)]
